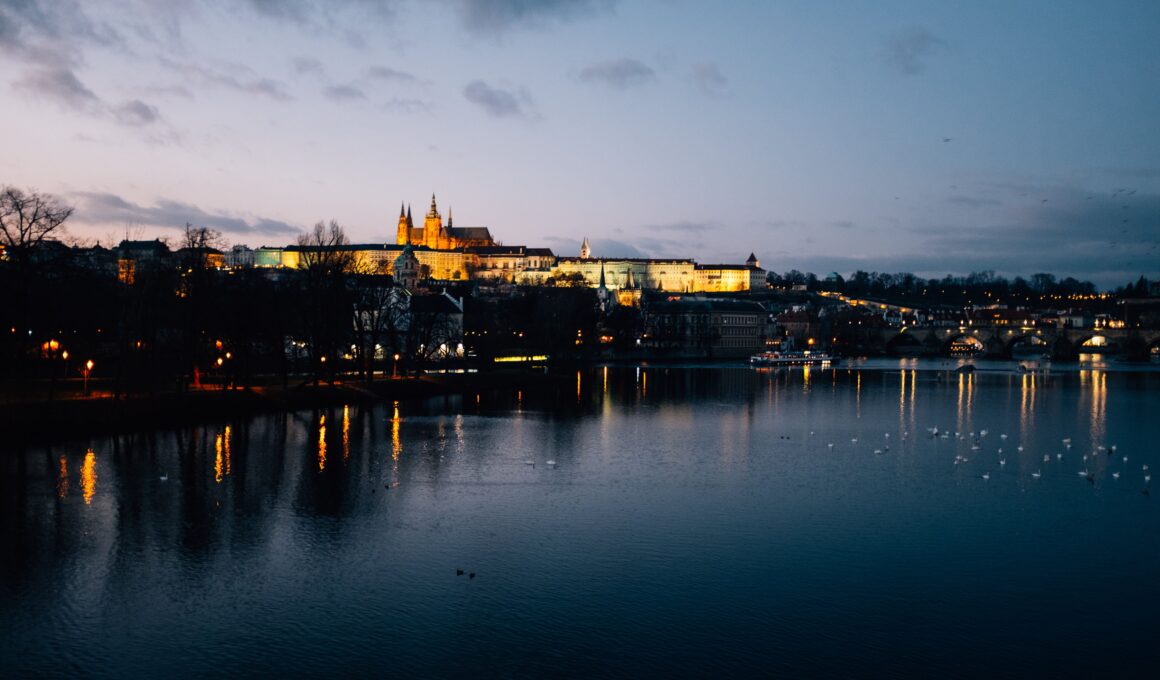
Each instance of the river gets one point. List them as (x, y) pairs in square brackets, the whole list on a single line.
[(638, 521)]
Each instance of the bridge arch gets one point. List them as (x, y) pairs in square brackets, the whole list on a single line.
[(960, 339)]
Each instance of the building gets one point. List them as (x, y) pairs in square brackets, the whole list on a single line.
[(700, 327), (437, 236)]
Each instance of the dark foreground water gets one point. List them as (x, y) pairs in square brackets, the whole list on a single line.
[(636, 522)]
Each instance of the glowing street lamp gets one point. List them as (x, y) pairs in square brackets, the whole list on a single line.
[(395, 366)]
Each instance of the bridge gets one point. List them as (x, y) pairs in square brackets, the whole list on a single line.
[(1000, 341)]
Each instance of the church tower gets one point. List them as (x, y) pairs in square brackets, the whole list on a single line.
[(585, 250), (433, 227), (403, 237)]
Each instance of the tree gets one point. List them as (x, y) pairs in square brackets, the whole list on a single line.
[(326, 302), (27, 219)]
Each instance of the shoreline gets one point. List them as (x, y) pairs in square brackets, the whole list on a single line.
[(34, 422)]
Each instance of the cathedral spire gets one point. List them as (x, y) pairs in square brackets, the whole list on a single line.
[(448, 215), (434, 211), (409, 222), (602, 274), (402, 211), (585, 249)]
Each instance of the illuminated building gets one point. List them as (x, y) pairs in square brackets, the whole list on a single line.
[(437, 236)]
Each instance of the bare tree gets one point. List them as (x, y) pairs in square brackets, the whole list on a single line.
[(324, 250), (28, 218)]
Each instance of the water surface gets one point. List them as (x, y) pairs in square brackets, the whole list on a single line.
[(639, 520)]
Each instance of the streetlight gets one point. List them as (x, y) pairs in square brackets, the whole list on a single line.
[(395, 366), (88, 369)]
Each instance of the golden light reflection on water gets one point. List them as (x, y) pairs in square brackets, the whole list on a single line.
[(605, 388), (1027, 401), (217, 459), (322, 442), (222, 463), (62, 479), (805, 377), (577, 387), (965, 400), (345, 433), (89, 476), (906, 392), (1098, 385), (396, 439)]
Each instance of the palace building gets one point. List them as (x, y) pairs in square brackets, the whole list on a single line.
[(437, 236)]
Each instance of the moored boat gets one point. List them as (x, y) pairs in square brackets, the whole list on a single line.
[(790, 358)]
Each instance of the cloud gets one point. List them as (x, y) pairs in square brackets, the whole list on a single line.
[(909, 50), (51, 32), (1108, 238), (973, 202), (136, 113), (496, 102), (390, 74), (686, 227), (305, 65), (402, 105), (709, 79), (490, 17), (60, 85), (622, 74), (343, 93), (245, 81), (110, 209)]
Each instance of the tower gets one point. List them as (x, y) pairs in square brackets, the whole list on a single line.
[(433, 227), (752, 261), (403, 237), (585, 250)]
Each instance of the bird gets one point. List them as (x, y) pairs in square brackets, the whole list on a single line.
[(1037, 474), (947, 139), (854, 440), (878, 451), (1002, 436), (1082, 473), (552, 463), (164, 477), (471, 576), (1002, 461), (1058, 456), (459, 572), (986, 475), (1144, 467), (829, 446), (1046, 458), (1067, 441), (1115, 475), (1018, 448)]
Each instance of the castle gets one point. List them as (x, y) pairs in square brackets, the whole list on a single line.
[(434, 235)]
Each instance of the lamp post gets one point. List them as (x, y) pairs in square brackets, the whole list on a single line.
[(395, 366), (88, 369)]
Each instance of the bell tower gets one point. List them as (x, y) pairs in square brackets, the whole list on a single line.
[(404, 232), (432, 226)]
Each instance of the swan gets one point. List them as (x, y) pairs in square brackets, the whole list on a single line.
[(1037, 474), (1115, 475), (986, 475)]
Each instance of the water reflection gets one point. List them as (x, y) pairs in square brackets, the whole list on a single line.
[(710, 471), (62, 478), (322, 442), (345, 433), (89, 476)]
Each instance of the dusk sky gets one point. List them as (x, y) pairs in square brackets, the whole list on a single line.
[(897, 136)]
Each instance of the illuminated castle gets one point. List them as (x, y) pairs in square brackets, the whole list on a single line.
[(434, 235)]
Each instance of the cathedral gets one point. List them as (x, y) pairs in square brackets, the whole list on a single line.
[(434, 235)]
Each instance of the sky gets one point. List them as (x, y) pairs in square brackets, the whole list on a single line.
[(935, 138)]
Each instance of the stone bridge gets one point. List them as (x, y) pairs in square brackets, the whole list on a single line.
[(999, 341)]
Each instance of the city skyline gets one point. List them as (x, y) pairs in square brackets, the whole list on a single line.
[(912, 138)]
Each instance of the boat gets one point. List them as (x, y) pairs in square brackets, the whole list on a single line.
[(790, 358)]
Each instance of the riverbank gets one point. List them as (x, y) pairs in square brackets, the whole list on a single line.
[(33, 421)]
